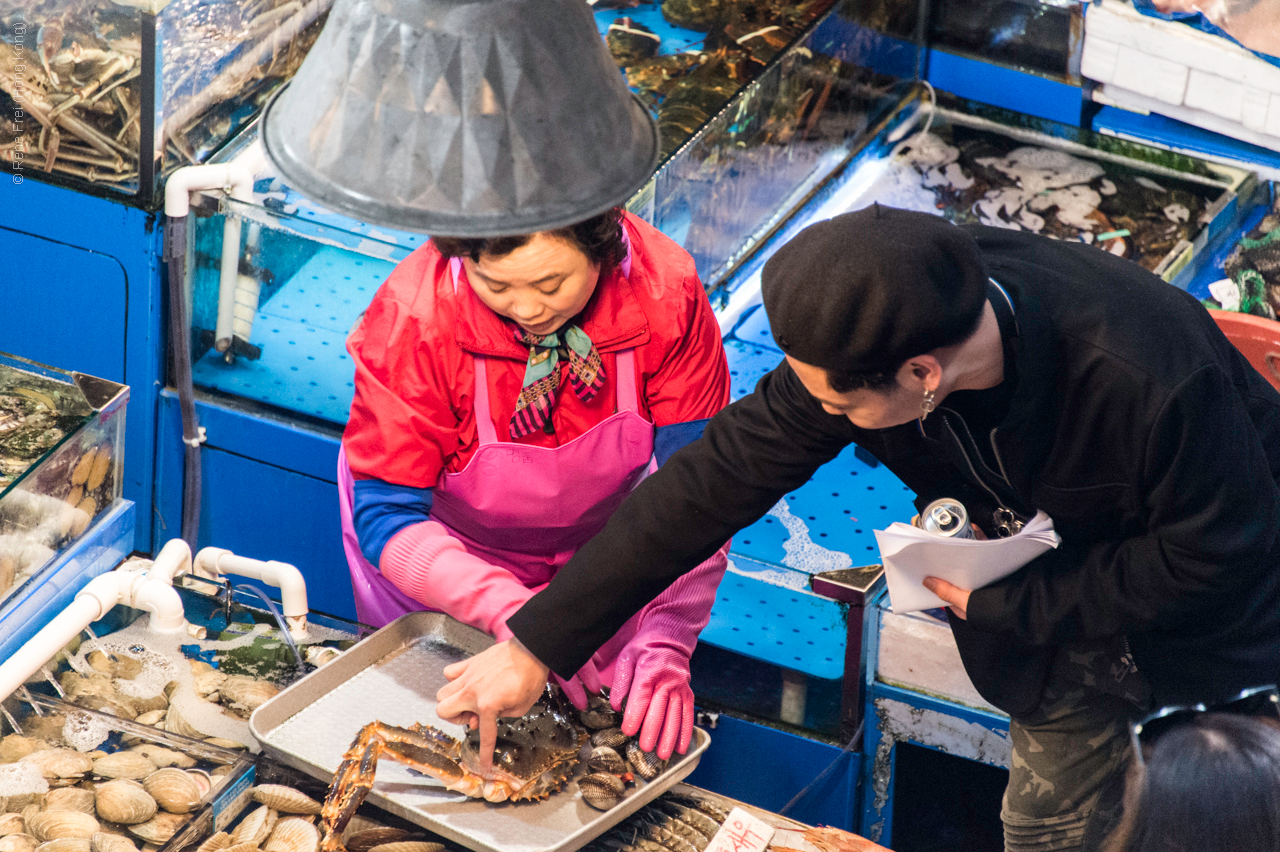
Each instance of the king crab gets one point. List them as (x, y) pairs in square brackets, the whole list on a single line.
[(534, 757)]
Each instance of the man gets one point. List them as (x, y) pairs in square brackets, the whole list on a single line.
[(1014, 373)]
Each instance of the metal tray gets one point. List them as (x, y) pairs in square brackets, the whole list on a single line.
[(393, 675)]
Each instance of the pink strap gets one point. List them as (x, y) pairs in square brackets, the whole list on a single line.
[(484, 425)]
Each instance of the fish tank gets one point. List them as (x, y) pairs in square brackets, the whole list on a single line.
[(113, 96), (1043, 37), (1245, 275), (274, 332), (61, 451)]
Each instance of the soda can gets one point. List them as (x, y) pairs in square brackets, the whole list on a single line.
[(946, 517)]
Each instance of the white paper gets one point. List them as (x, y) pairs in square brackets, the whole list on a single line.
[(910, 554), (741, 832)]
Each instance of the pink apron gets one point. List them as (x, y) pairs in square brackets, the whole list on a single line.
[(525, 508)]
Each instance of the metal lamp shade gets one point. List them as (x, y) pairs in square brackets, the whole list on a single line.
[(461, 117)]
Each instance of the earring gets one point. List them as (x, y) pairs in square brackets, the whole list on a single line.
[(926, 405)]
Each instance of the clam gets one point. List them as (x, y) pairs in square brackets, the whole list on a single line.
[(125, 801), (241, 847), (69, 799), (646, 764), (409, 846), (59, 825), (106, 841), (59, 763), (208, 683), (176, 723), (65, 844), (124, 764), (18, 843), (16, 746), (30, 810), (363, 841), (215, 842), (203, 780), (160, 828), (611, 737), (286, 800), (151, 703), (174, 789), (605, 759), (256, 827), (151, 717), (164, 757), (222, 742), (247, 693), (599, 715), (12, 824), (601, 790), (293, 834)]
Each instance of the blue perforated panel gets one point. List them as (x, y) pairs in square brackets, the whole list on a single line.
[(754, 329)]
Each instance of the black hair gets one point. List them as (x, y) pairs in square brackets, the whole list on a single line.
[(1210, 785), (599, 238), (884, 377)]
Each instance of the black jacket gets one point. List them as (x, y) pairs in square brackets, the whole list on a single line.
[(1135, 425)]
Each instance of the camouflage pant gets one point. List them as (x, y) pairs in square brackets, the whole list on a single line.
[(1069, 747)]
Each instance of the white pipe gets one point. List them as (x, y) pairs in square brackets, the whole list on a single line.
[(173, 560), (131, 587), (248, 289), (217, 562)]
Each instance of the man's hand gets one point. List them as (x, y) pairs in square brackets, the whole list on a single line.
[(505, 680), (957, 598)]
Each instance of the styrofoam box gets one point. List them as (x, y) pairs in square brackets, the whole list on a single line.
[(918, 652)]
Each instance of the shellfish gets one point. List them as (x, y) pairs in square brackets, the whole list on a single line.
[(646, 763), (293, 834), (124, 764), (285, 799), (69, 799), (58, 825), (160, 828), (125, 801), (601, 790), (605, 759), (173, 789), (105, 841)]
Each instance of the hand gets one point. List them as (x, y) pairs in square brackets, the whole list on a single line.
[(655, 681), (957, 598), (587, 680), (505, 680)]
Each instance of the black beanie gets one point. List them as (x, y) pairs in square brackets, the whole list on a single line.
[(865, 291)]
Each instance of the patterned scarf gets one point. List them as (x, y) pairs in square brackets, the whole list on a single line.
[(542, 376)]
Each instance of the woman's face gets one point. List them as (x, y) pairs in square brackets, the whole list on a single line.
[(539, 286)]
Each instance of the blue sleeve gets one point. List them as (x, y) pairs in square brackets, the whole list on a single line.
[(381, 510), (668, 439)]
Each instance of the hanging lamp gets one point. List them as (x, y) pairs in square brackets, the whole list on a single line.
[(462, 118)]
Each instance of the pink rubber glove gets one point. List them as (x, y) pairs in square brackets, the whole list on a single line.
[(434, 568), (652, 672)]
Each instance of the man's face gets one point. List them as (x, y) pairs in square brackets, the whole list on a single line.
[(866, 409)]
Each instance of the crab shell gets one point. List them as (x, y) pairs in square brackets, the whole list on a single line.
[(535, 756)]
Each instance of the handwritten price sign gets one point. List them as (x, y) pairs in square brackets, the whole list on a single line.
[(741, 832)]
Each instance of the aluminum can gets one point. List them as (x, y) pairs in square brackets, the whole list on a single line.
[(946, 517)]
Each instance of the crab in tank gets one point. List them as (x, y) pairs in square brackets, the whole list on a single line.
[(535, 756)]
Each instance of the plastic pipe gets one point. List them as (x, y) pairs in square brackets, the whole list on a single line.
[(131, 587), (215, 562), (173, 560), (248, 290)]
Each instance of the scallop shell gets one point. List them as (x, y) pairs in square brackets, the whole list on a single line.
[(70, 799), (610, 737), (605, 759), (293, 834), (59, 763), (256, 827), (65, 844), (363, 841), (247, 692), (58, 825), (409, 846), (174, 790), (215, 842), (286, 800), (601, 790), (646, 764), (18, 843), (125, 801), (124, 764), (106, 841), (12, 824), (159, 828)]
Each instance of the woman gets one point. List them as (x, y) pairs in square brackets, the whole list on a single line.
[(509, 393)]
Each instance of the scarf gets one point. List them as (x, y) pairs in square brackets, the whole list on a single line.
[(542, 375)]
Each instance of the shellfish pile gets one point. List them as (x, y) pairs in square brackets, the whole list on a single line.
[(615, 759), (1252, 282)]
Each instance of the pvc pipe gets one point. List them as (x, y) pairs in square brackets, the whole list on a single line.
[(248, 289), (131, 587), (173, 560), (216, 562)]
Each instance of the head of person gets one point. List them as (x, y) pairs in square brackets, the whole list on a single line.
[(542, 280), (1209, 785), (870, 306)]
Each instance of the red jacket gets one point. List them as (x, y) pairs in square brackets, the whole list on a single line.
[(413, 415)]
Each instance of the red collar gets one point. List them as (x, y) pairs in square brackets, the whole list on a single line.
[(613, 319)]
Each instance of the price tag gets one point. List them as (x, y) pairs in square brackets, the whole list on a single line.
[(741, 832)]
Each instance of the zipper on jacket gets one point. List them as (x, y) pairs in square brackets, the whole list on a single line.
[(999, 461), (973, 470)]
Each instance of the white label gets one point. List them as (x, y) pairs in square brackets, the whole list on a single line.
[(741, 832)]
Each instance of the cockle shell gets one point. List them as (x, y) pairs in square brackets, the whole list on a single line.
[(605, 759), (256, 827), (601, 790), (125, 801), (286, 800), (215, 842), (59, 763), (610, 737), (65, 844), (18, 843), (363, 841), (646, 764), (174, 789), (293, 834), (124, 764), (57, 825), (106, 841), (12, 824), (409, 846), (599, 715), (160, 828), (70, 799)]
